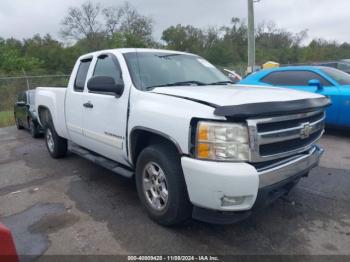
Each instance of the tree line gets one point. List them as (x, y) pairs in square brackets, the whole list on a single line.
[(91, 27)]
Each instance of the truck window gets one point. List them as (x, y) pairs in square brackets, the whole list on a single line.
[(293, 78), (81, 75), (106, 65), (22, 97)]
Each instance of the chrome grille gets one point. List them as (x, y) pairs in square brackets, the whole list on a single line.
[(282, 136)]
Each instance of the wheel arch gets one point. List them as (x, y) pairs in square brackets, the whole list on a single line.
[(44, 115), (141, 137)]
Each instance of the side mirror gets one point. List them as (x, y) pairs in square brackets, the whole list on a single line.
[(105, 84), (316, 83), (20, 103)]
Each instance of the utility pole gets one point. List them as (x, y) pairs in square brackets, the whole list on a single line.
[(26, 78), (251, 36)]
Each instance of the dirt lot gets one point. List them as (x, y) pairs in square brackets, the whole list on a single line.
[(72, 206)]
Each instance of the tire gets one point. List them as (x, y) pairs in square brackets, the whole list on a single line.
[(166, 161), (33, 128), (56, 145), (18, 125)]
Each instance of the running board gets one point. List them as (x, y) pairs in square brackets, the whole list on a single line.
[(111, 165)]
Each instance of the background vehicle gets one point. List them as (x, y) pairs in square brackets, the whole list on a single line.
[(343, 65), (7, 248), (195, 143), (234, 77), (322, 80), (25, 114)]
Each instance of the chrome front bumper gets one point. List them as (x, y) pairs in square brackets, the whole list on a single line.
[(286, 168)]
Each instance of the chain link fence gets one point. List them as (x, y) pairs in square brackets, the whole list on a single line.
[(11, 86)]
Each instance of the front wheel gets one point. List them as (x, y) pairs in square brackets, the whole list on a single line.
[(161, 185), (56, 145)]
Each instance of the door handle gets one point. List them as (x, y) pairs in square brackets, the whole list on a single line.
[(88, 105)]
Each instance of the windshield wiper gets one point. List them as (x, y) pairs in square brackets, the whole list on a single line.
[(221, 83), (167, 55), (183, 83)]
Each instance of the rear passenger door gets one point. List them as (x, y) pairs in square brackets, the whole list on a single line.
[(104, 121), (74, 102), (299, 80)]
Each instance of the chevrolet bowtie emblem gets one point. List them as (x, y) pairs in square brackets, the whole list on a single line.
[(305, 130)]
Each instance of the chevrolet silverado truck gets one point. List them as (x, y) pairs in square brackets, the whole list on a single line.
[(196, 145)]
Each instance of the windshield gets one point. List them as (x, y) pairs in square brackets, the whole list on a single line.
[(341, 77), (153, 69)]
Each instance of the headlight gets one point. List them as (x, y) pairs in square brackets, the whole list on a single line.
[(222, 141)]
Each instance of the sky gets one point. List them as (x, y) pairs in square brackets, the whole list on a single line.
[(327, 19)]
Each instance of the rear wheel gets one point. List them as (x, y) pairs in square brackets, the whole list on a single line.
[(33, 128), (18, 125), (56, 145), (161, 185)]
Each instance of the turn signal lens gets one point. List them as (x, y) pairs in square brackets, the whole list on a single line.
[(203, 150), (202, 133)]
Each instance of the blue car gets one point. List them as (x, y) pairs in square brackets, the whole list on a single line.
[(327, 81)]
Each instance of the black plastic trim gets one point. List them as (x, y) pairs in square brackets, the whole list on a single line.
[(272, 108), (219, 217), (269, 194), (127, 128), (156, 132)]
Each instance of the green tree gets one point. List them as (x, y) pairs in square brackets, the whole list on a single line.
[(12, 58)]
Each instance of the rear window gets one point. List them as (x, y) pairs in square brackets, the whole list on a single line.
[(81, 75), (293, 78), (22, 97)]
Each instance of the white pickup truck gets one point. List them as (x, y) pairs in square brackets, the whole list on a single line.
[(197, 145)]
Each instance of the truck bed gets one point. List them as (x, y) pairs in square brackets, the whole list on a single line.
[(53, 98)]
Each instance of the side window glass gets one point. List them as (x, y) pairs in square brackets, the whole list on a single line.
[(293, 78), (107, 66), (305, 76), (81, 75), (274, 78), (323, 81)]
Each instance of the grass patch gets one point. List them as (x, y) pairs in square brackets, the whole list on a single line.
[(6, 118)]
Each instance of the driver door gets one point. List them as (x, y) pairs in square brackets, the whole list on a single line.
[(104, 114)]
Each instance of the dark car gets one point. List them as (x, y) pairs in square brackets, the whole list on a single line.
[(343, 65), (25, 115)]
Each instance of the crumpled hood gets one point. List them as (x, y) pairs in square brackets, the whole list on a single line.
[(230, 95)]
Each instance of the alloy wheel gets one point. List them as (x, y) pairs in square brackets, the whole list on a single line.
[(155, 186)]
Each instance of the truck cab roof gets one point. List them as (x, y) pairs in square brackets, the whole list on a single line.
[(132, 50)]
